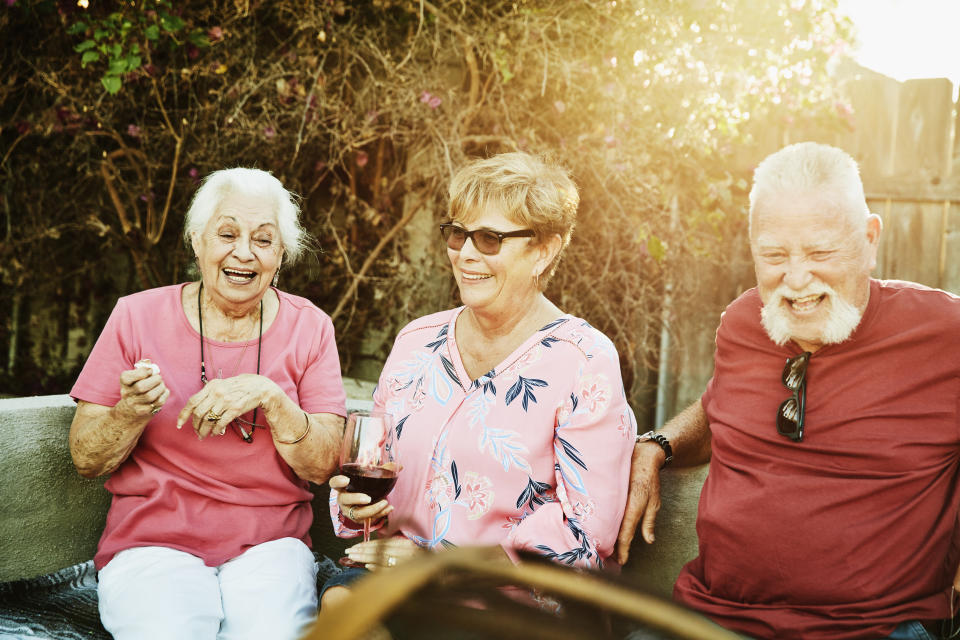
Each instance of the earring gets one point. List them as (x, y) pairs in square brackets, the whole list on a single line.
[(276, 276), (536, 281)]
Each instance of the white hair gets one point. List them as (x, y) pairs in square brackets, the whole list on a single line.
[(254, 183), (808, 167)]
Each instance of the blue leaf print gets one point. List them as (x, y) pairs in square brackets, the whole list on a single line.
[(572, 452), (487, 381), (553, 324), (571, 556), (533, 494), (447, 544), (505, 447), (456, 480), (526, 385), (441, 338), (400, 425), (448, 366), (548, 341), (574, 401)]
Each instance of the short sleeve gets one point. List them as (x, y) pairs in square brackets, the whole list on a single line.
[(99, 380), (320, 388)]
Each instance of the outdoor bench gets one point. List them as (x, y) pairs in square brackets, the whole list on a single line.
[(51, 519)]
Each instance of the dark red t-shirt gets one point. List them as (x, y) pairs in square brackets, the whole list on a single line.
[(854, 529)]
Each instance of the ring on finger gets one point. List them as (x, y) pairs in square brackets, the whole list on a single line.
[(155, 409), (350, 513), (213, 416), (391, 561)]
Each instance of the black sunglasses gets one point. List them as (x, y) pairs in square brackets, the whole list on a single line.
[(487, 241), (791, 411)]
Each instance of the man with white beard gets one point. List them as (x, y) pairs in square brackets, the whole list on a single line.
[(832, 427)]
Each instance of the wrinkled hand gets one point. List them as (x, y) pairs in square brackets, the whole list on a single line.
[(383, 553), (222, 400), (643, 500), (356, 506), (142, 393)]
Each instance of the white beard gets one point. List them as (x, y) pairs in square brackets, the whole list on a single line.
[(842, 317)]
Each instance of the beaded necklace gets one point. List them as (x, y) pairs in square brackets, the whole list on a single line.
[(238, 423)]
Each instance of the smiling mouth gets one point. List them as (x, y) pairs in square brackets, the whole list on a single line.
[(806, 303), (239, 276), (474, 277)]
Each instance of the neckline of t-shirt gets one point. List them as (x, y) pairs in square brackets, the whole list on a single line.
[(517, 353), (221, 343)]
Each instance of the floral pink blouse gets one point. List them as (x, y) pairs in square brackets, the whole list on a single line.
[(533, 455)]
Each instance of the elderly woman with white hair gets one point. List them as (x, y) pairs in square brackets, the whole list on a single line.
[(207, 532)]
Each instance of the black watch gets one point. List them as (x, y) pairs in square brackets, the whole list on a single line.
[(661, 440)]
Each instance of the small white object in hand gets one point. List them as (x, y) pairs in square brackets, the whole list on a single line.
[(146, 364)]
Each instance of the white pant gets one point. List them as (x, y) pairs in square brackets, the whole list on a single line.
[(267, 592)]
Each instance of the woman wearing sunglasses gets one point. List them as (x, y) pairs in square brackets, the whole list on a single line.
[(211, 404), (513, 427)]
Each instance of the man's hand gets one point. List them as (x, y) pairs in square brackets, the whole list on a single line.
[(644, 498)]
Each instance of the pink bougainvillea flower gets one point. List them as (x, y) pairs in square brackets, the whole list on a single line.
[(269, 132), (192, 52), (133, 131), (215, 34), (194, 175), (430, 100), (362, 159)]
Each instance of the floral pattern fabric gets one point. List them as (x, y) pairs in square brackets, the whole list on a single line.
[(533, 455)]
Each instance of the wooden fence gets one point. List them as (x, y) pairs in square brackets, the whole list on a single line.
[(903, 137)]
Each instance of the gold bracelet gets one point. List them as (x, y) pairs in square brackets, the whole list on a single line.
[(302, 435)]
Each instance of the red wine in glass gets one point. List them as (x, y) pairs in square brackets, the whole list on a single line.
[(376, 482), (368, 459)]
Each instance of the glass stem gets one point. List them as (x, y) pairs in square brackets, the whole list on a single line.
[(366, 529)]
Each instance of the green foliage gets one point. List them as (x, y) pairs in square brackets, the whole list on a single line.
[(119, 38), (659, 107)]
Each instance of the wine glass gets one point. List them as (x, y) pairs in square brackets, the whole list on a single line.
[(367, 458)]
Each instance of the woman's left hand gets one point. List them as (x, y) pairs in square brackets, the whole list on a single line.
[(223, 399), (383, 552)]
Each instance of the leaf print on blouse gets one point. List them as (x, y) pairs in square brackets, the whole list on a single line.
[(526, 386), (555, 323), (441, 339), (569, 460), (486, 381), (584, 554), (535, 494), (424, 374), (506, 447)]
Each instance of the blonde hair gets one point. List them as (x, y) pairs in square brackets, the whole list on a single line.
[(525, 188), (239, 181), (811, 167)]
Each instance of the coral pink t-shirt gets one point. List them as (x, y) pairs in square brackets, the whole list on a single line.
[(217, 497)]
